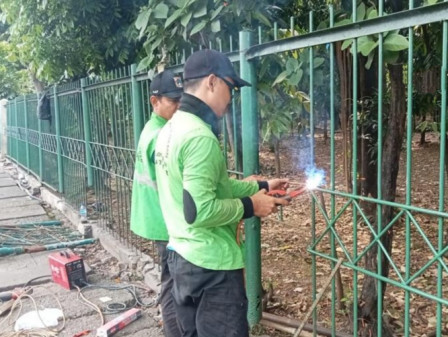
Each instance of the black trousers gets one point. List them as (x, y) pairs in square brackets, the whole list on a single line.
[(209, 303), (170, 325)]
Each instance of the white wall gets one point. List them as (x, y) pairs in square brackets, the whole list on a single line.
[(3, 138)]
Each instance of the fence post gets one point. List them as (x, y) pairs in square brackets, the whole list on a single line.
[(27, 144), (57, 121), (39, 128), (16, 126), (3, 126), (136, 106), (249, 113), (87, 132)]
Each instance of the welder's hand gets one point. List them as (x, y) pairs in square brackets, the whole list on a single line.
[(265, 205), (278, 184), (254, 177)]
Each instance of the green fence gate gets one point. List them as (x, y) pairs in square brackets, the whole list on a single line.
[(86, 152)]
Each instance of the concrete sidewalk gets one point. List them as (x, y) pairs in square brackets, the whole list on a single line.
[(17, 207)]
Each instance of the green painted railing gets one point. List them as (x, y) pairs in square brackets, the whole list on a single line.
[(87, 152)]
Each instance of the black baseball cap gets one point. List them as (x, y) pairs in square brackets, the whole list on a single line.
[(166, 84), (208, 61)]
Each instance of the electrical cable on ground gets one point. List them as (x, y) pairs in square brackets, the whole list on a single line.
[(117, 307), (39, 332), (35, 279), (90, 304)]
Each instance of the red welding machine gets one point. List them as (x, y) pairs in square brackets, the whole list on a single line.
[(67, 269)]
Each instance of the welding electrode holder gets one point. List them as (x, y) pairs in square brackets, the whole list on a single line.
[(281, 194)]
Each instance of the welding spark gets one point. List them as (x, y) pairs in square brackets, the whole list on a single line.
[(316, 177)]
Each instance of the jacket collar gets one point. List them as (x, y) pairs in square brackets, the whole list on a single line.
[(197, 107)]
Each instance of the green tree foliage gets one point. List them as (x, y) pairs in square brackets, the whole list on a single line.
[(167, 26), (55, 39), (14, 80)]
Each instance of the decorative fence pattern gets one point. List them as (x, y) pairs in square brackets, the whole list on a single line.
[(87, 151)]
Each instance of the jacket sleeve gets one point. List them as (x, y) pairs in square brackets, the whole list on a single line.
[(202, 163), (242, 188)]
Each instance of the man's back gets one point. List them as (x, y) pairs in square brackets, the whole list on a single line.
[(146, 216), (198, 199)]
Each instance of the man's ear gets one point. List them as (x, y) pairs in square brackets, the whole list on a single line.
[(211, 82), (154, 100)]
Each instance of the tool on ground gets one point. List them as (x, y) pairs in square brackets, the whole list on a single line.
[(119, 323), (9, 297), (82, 333), (67, 269), (282, 194)]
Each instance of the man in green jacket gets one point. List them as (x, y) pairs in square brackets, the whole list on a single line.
[(146, 216), (202, 206)]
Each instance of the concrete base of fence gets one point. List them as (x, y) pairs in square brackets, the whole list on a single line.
[(138, 262)]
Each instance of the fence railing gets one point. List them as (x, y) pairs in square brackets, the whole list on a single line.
[(87, 153)]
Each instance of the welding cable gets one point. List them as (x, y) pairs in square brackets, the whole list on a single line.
[(44, 332), (132, 288), (35, 279), (117, 307), (90, 304)]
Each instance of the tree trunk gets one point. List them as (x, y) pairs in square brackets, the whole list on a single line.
[(368, 138), (38, 85), (325, 130), (344, 63), (395, 126), (277, 157), (229, 126)]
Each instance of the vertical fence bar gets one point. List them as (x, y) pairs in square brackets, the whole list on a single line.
[(251, 166), (16, 123), (58, 139), (332, 172), (355, 170), (443, 129), (379, 208), (313, 202), (87, 133), (39, 128), (291, 25), (136, 106), (27, 144), (225, 139), (235, 135), (409, 132)]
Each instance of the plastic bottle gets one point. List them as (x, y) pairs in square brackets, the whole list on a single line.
[(83, 213)]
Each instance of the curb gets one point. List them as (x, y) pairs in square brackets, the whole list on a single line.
[(136, 260)]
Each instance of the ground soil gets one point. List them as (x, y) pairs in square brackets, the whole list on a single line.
[(287, 264)]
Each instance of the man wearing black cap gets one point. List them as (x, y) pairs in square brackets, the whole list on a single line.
[(146, 216), (202, 206)]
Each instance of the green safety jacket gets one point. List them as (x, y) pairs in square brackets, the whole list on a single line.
[(146, 216), (201, 205)]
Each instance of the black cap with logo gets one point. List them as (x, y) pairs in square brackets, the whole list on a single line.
[(208, 61), (166, 84)]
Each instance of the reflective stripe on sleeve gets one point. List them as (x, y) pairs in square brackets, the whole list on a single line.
[(145, 180)]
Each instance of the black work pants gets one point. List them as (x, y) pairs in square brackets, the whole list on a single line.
[(170, 325), (209, 303)]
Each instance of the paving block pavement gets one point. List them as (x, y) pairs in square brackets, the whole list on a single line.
[(16, 207), (81, 317)]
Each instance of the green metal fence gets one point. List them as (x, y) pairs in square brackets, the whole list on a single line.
[(87, 152)]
